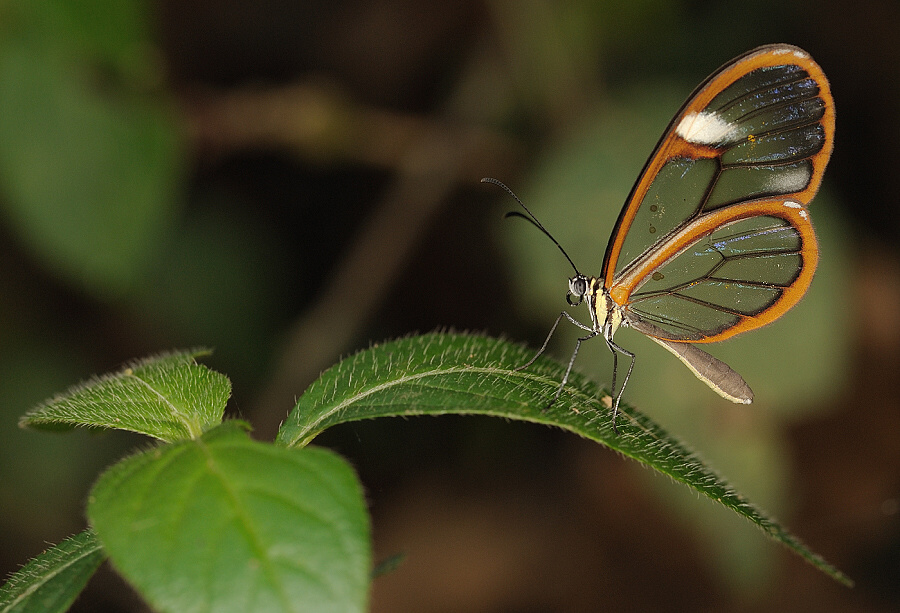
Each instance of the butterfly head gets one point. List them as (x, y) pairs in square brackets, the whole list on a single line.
[(578, 287)]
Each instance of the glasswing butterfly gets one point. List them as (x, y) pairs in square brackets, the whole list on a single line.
[(715, 238)]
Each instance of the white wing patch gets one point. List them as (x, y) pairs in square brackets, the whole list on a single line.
[(704, 129), (796, 205), (788, 181)]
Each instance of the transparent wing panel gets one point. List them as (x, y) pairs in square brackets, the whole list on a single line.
[(750, 86), (741, 183), (787, 146), (739, 297), (773, 119), (779, 269), (762, 89), (683, 319), (735, 272), (676, 194), (763, 234)]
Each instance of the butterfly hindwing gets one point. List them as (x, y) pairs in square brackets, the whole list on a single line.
[(727, 272)]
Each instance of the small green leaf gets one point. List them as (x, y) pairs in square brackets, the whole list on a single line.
[(51, 581), (436, 374), (169, 397), (223, 523)]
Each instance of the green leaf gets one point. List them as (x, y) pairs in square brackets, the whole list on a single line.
[(51, 581), (223, 523), (435, 374), (169, 397)]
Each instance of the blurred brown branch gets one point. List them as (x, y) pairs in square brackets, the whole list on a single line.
[(320, 123)]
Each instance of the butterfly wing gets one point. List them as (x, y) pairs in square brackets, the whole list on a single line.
[(715, 238)]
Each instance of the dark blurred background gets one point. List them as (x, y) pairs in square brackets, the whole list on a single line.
[(290, 181)]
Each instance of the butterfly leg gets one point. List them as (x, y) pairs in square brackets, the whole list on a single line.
[(616, 350), (593, 333), (571, 362), (549, 336)]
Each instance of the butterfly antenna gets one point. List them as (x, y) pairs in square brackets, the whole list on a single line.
[(530, 218)]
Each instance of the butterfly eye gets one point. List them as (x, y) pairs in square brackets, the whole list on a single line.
[(577, 288)]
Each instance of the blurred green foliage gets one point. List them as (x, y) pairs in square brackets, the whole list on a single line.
[(90, 152)]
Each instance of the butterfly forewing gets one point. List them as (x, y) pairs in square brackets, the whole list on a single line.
[(715, 238), (761, 127)]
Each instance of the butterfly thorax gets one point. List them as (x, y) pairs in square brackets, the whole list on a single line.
[(606, 314)]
